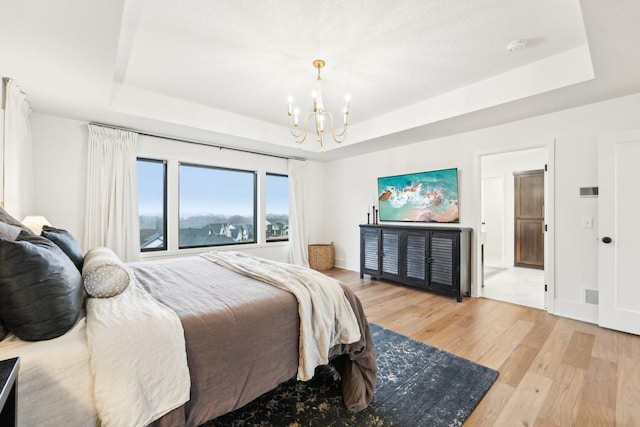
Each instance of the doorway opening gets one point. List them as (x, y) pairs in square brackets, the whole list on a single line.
[(512, 227)]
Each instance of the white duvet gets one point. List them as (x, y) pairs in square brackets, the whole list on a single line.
[(54, 382), (138, 358), (124, 364)]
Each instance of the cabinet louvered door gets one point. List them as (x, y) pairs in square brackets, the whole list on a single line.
[(444, 261), (415, 258), (370, 251), (390, 252), (426, 257)]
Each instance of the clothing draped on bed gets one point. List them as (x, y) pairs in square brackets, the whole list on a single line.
[(254, 344)]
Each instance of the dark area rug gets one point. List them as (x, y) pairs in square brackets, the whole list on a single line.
[(418, 385)]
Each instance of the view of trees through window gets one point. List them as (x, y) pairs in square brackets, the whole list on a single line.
[(152, 203), (277, 205), (217, 206)]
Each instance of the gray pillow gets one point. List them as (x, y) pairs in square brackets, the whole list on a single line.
[(8, 231), (41, 293), (65, 241), (3, 331), (8, 219)]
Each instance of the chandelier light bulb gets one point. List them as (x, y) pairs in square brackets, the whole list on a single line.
[(318, 114)]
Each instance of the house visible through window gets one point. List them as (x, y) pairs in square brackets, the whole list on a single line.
[(217, 206), (277, 205), (152, 204)]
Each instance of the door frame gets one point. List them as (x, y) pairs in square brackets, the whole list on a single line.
[(549, 215)]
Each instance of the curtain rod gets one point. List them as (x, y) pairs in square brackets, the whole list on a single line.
[(6, 80), (190, 141)]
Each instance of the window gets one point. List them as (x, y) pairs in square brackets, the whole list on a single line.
[(217, 206), (152, 204), (277, 205)]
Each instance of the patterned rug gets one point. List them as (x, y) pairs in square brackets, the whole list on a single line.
[(418, 385)]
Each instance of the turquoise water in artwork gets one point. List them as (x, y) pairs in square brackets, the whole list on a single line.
[(423, 197)]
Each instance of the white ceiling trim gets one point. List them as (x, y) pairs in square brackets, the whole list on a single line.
[(562, 70)]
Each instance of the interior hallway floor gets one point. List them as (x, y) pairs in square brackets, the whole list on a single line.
[(523, 286)]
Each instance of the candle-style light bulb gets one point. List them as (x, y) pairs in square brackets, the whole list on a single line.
[(295, 117), (290, 102), (347, 98)]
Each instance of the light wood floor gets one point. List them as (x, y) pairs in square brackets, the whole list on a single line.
[(553, 371)]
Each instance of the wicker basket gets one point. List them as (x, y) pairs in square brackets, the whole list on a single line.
[(321, 256)]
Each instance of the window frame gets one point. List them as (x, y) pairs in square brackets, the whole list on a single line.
[(255, 204), (165, 243), (265, 208)]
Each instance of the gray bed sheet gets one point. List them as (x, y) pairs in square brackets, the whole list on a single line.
[(242, 338)]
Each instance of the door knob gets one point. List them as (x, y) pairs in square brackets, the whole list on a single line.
[(606, 239)]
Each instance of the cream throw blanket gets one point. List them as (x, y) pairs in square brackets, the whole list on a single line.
[(326, 317), (138, 358)]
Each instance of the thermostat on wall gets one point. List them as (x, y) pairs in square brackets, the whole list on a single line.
[(588, 191)]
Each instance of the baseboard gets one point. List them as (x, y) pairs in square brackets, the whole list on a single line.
[(342, 263), (577, 311)]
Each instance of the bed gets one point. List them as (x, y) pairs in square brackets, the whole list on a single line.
[(241, 339)]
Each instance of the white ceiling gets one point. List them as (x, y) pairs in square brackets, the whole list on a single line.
[(220, 71)]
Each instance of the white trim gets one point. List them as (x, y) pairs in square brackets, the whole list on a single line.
[(549, 255), (549, 215), (345, 264), (577, 311)]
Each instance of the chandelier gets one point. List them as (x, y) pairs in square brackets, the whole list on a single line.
[(323, 119)]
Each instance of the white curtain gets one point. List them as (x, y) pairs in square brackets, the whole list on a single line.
[(17, 155), (298, 233), (111, 212)]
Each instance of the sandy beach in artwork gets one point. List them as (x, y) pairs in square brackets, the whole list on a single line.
[(427, 215)]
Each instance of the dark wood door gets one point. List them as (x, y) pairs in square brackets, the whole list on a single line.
[(529, 218)]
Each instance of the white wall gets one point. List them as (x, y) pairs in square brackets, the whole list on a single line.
[(351, 183), (60, 152), (59, 165), (2, 143), (340, 192), (493, 214)]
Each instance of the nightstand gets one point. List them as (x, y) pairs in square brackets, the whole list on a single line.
[(8, 384)]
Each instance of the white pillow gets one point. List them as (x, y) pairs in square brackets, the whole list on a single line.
[(103, 273)]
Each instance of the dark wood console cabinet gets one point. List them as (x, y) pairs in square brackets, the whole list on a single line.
[(431, 258)]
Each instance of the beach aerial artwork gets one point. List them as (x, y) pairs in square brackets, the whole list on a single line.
[(419, 197)]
